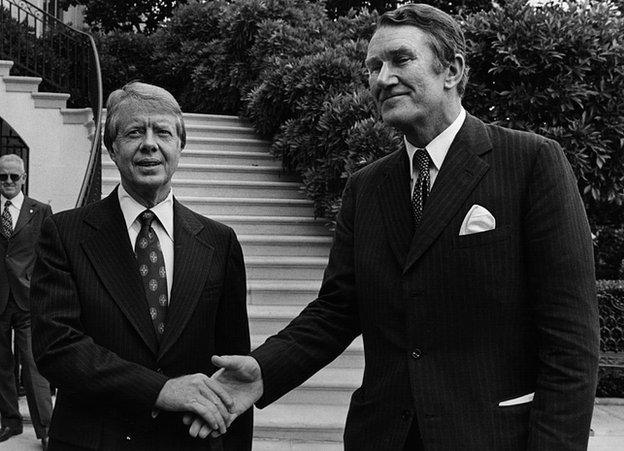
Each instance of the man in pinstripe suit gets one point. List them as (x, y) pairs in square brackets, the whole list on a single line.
[(464, 260), (131, 296)]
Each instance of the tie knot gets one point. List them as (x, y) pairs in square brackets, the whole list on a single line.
[(146, 218), (7, 204), (421, 159)]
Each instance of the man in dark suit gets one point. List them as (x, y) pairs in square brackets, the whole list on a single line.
[(464, 260), (19, 230), (133, 295)]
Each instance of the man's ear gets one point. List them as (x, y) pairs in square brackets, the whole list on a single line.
[(455, 72), (111, 151)]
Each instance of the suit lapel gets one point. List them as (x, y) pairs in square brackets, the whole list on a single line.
[(27, 212), (393, 195), (110, 252), (192, 259), (461, 171)]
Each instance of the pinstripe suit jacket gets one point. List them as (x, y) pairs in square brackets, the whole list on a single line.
[(94, 340), (453, 325)]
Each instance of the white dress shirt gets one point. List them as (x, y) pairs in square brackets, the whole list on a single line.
[(14, 208), (437, 150), (163, 226)]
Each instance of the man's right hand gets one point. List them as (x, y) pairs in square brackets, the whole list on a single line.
[(199, 394), (241, 378)]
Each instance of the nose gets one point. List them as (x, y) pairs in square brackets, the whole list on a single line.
[(386, 76), (149, 141)]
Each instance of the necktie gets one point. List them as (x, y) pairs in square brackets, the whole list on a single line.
[(152, 269), (421, 188), (7, 222)]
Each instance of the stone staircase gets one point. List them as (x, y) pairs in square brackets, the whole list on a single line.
[(227, 174)]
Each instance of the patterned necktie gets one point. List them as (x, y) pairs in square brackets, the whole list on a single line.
[(7, 222), (152, 269), (421, 187)]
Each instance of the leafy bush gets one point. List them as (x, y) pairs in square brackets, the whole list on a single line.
[(556, 72), (125, 57), (609, 252)]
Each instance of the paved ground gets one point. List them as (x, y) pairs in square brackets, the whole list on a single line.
[(607, 426)]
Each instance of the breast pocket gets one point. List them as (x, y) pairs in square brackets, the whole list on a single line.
[(483, 238)]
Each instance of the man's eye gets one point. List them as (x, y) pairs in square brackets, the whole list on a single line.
[(399, 61), (133, 133), (164, 133)]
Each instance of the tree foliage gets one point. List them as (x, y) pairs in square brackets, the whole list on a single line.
[(140, 16)]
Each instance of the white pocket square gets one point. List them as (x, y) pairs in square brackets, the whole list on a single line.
[(478, 219), (519, 400)]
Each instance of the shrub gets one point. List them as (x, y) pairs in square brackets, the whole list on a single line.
[(125, 57), (609, 252), (556, 72)]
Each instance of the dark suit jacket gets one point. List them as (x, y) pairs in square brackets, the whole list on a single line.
[(453, 325), (18, 253), (94, 340)]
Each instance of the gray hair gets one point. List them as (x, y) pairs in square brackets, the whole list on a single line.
[(14, 158), (145, 96), (446, 37)]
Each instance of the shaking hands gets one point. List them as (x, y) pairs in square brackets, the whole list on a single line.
[(230, 392)]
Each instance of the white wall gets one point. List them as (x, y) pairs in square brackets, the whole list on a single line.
[(58, 154)]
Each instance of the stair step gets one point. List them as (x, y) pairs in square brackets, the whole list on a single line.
[(219, 131), (295, 445), (300, 422), (77, 115), (224, 188), (210, 206), (285, 268), (286, 245), (52, 100), (21, 84), (213, 119), (274, 225), (218, 172), (352, 357), (282, 292), (253, 145), (5, 67)]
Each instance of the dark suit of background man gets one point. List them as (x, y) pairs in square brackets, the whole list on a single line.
[(19, 230), (126, 336), (478, 310)]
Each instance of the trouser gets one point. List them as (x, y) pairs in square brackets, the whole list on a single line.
[(36, 386)]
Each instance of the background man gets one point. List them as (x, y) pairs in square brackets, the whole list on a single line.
[(134, 292), (20, 225), (464, 260)]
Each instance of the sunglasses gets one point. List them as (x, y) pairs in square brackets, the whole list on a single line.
[(14, 177)]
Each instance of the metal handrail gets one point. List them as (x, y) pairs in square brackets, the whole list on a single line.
[(66, 59)]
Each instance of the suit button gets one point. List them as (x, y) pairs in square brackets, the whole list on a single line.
[(128, 437), (159, 370), (416, 353), (406, 415)]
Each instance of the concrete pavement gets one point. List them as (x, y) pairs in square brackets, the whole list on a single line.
[(607, 428)]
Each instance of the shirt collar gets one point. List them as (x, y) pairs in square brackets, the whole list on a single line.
[(131, 209), (440, 145), (17, 201)]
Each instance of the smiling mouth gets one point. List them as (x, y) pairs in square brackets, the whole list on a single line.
[(148, 164)]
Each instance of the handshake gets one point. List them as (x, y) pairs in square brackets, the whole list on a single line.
[(212, 403)]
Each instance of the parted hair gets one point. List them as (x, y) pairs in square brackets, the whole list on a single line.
[(446, 36), (141, 95)]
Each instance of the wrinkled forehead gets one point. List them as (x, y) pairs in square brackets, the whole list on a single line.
[(130, 112)]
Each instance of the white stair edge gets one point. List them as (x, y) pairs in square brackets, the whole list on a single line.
[(224, 183), (284, 285), (5, 67), (243, 200), (21, 84), (356, 346), (51, 100), (76, 115), (285, 239)]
